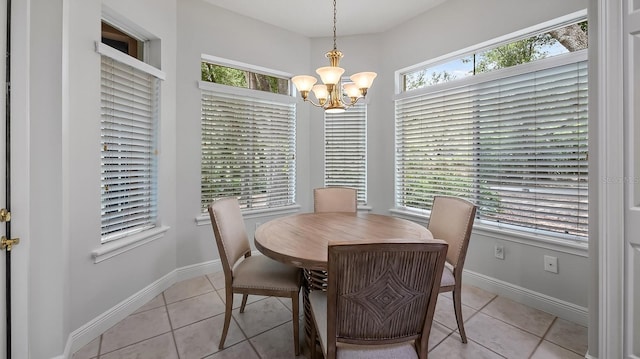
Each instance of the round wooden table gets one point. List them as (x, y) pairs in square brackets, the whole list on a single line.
[(302, 239)]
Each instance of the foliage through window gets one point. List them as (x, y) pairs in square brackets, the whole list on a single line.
[(551, 43), (345, 150), (235, 77), (248, 147), (513, 141)]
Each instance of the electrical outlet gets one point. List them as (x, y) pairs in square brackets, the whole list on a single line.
[(551, 264), (499, 252)]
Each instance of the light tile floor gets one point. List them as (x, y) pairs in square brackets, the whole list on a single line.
[(185, 322)]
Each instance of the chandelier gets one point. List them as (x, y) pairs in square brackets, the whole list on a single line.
[(331, 93)]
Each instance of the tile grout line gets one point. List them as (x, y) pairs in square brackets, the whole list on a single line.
[(173, 334), (473, 315), (542, 338), (517, 327), (456, 330), (99, 346), (246, 337)]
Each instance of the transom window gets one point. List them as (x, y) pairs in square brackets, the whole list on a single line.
[(244, 78), (556, 41)]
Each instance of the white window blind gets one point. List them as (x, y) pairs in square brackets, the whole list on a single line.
[(248, 149), (129, 105), (345, 150), (515, 143)]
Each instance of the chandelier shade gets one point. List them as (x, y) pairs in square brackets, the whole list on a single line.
[(330, 95), (304, 82)]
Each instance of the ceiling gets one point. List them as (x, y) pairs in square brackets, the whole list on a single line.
[(314, 18)]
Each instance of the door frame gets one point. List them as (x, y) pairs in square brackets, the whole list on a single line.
[(607, 196), (20, 59)]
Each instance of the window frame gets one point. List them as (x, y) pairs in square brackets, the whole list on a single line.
[(260, 96), (151, 65), (566, 20), (547, 240), (125, 60), (249, 68)]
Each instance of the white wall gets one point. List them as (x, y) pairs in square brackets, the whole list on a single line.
[(205, 29), (48, 319), (68, 290), (95, 287)]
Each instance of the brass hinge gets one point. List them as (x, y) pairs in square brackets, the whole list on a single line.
[(5, 216), (8, 243)]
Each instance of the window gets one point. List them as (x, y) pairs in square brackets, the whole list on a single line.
[(237, 77), (122, 41), (345, 150), (248, 147), (129, 115), (545, 44), (514, 141)]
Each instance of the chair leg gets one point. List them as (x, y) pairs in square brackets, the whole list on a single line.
[(244, 302), (227, 316), (312, 342), (295, 300), (457, 307)]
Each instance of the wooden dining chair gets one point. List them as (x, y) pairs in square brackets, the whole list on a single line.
[(452, 220), (335, 199), (380, 299), (258, 275)]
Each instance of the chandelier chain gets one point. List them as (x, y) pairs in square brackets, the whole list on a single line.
[(334, 25)]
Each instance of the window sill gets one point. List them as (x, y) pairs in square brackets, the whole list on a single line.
[(579, 248), (203, 219), (112, 249)]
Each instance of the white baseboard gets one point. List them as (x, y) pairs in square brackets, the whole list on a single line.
[(557, 307), (587, 356), (196, 270), (91, 330)]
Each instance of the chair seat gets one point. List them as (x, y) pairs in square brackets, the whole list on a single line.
[(318, 301), (448, 280), (260, 272)]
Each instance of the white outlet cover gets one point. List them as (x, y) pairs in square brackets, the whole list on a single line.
[(551, 264)]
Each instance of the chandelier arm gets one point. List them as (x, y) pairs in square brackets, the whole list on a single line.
[(352, 102), (309, 100)]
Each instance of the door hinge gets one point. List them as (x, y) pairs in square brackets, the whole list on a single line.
[(5, 215), (8, 243)]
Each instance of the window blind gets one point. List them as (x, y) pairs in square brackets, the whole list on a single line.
[(248, 150), (516, 145), (345, 150), (129, 110)]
